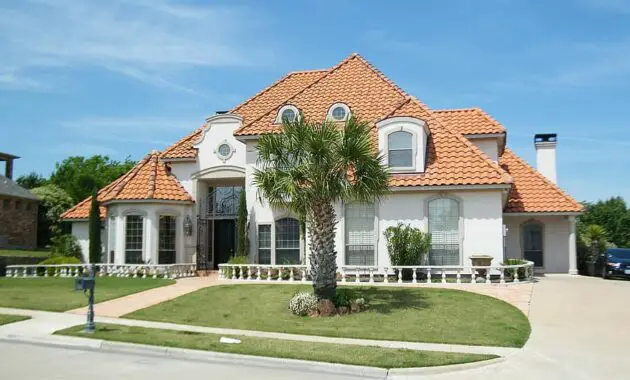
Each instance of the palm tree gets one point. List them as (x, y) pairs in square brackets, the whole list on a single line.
[(307, 169), (594, 237)]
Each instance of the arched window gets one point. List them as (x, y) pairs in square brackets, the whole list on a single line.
[(400, 150), (533, 244), (287, 113), (338, 112), (443, 215), (287, 241)]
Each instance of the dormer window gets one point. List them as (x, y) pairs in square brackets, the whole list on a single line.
[(287, 113), (338, 112), (400, 150)]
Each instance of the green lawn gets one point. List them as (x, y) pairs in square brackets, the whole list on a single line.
[(326, 352), (404, 314), (57, 294), (5, 318), (43, 253)]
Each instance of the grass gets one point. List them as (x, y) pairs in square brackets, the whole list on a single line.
[(5, 318), (43, 253), (57, 294), (325, 352), (404, 314)]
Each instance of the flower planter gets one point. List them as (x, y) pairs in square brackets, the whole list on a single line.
[(481, 261)]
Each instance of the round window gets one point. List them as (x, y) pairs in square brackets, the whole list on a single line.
[(339, 113), (224, 150), (288, 115)]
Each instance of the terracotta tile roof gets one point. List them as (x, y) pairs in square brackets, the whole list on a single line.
[(469, 121), (149, 179), (451, 158), (533, 192), (251, 109)]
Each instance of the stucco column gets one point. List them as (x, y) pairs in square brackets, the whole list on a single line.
[(572, 247), (150, 248), (119, 255)]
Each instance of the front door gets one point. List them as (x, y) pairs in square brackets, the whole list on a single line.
[(224, 241), (533, 243)]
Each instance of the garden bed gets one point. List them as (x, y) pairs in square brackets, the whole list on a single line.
[(403, 314), (57, 294), (325, 352)]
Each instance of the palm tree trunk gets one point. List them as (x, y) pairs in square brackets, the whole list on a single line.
[(322, 247)]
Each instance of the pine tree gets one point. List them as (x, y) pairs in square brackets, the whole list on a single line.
[(243, 241), (95, 230)]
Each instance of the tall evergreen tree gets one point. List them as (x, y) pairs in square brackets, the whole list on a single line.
[(95, 230), (243, 241)]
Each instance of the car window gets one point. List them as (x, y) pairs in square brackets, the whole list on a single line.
[(619, 253)]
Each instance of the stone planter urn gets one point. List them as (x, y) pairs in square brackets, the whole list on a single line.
[(481, 261)]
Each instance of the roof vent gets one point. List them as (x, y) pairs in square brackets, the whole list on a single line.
[(221, 112)]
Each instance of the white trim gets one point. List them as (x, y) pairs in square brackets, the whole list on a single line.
[(243, 138), (403, 119), (184, 159), (414, 149), (329, 115), (134, 211), (227, 156), (199, 174), (284, 108), (221, 116), (451, 187)]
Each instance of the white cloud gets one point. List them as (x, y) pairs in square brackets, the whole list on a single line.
[(12, 81), (140, 39)]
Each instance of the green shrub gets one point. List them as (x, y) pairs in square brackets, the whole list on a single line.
[(345, 296), (407, 245), (56, 260), (66, 245), (236, 260), (510, 272)]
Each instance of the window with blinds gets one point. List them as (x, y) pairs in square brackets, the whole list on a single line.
[(134, 230), (444, 229), (360, 238), (264, 244)]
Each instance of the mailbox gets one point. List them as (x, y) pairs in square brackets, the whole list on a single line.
[(84, 283)]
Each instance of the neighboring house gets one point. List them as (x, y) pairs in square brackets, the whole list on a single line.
[(453, 176), (18, 210)]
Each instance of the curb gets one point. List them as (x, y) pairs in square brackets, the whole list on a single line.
[(97, 345), (443, 369)]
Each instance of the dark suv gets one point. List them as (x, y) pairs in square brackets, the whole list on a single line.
[(617, 262)]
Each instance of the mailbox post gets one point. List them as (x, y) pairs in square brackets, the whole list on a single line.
[(86, 283)]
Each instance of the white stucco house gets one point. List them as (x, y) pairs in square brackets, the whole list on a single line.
[(452, 176)]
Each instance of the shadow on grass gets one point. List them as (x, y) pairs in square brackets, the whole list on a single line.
[(387, 300)]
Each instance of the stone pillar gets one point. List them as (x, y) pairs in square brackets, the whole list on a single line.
[(572, 247), (119, 255)]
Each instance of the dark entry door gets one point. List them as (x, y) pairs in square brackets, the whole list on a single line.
[(224, 241)]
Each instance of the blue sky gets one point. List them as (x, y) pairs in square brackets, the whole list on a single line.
[(122, 77)]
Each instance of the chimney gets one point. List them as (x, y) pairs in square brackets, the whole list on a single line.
[(8, 163), (546, 154)]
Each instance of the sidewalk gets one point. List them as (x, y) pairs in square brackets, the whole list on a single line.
[(125, 305), (44, 324)]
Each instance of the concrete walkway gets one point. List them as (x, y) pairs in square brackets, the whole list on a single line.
[(125, 305), (43, 324)]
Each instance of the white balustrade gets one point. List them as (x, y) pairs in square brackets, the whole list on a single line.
[(102, 270)]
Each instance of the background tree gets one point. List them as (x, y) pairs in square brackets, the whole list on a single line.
[(95, 230), (53, 202), (310, 167), (611, 214), (243, 240), (31, 180), (78, 175)]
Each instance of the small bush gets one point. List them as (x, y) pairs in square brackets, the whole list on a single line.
[(510, 272), (57, 260), (236, 260), (66, 245), (303, 303), (407, 245)]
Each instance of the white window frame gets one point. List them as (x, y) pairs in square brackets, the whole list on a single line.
[(460, 224), (111, 241), (275, 237), (144, 236), (375, 231), (333, 107), (287, 107), (159, 233), (414, 150), (271, 242)]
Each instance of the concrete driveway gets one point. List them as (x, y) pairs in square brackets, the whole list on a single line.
[(580, 330)]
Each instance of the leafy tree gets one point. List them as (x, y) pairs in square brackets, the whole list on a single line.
[(31, 180), (611, 214), (95, 230), (243, 240), (53, 202), (78, 175), (310, 167)]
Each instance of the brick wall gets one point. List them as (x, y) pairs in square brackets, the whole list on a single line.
[(18, 223)]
